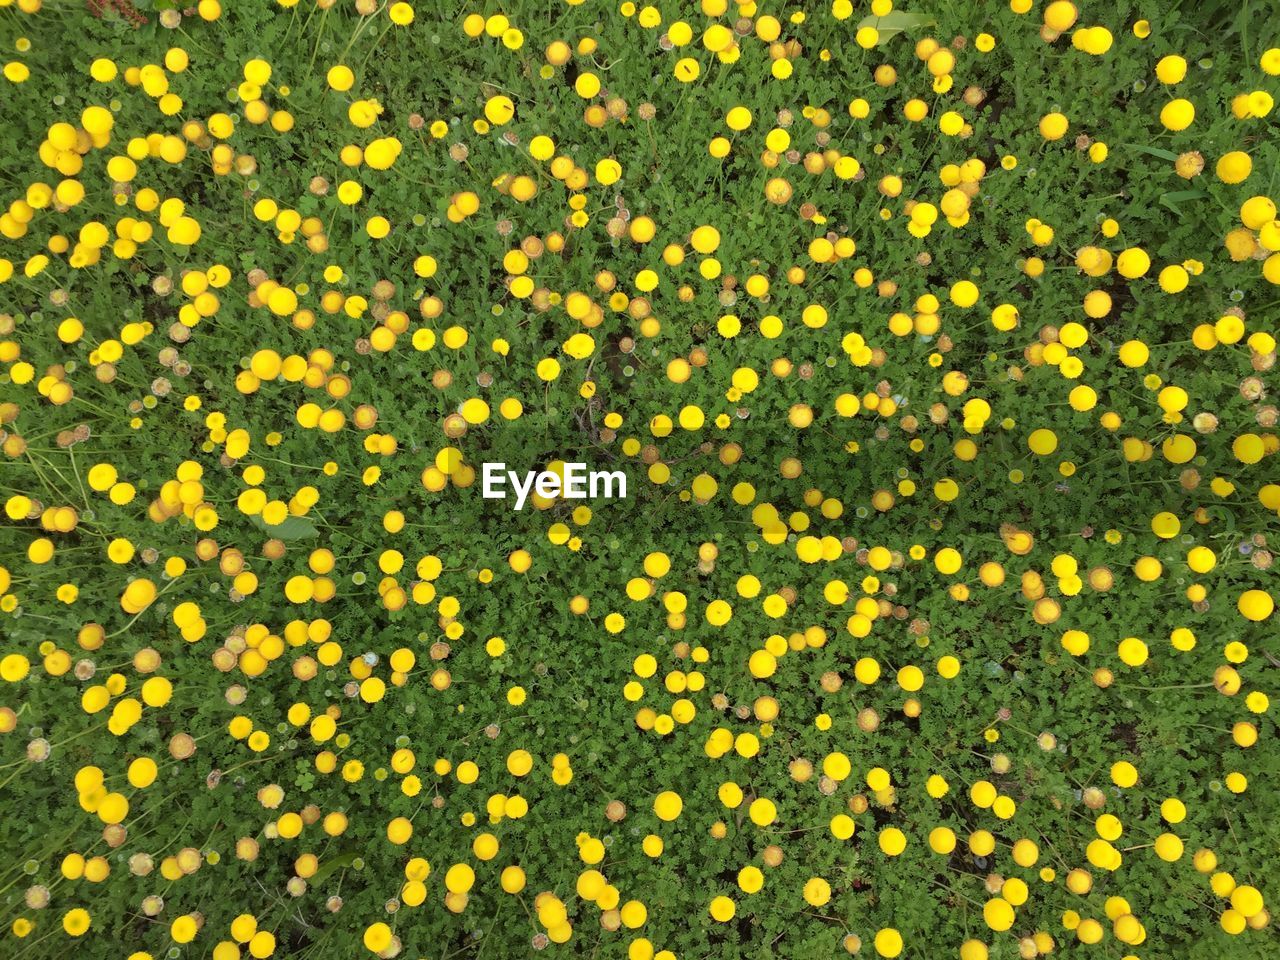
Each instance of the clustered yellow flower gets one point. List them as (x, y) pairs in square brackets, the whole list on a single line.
[(874, 430)]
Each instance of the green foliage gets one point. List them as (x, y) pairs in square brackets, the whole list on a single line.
[(772, 498)]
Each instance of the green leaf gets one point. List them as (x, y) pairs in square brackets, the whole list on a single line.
[(1175, 198), (291, 528), (332, 865), (899, 21), (1154, 151)]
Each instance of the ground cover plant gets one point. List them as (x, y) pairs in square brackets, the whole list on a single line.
[(937, 346)]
